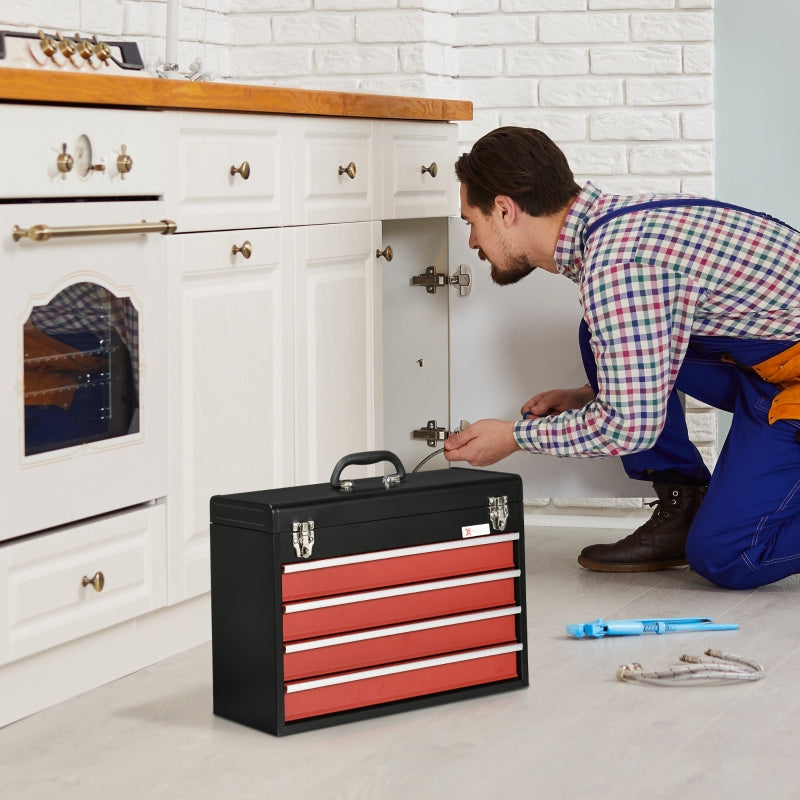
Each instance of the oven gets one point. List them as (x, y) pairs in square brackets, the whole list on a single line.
[(83, 357)]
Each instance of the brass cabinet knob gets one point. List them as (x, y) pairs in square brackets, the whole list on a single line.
[(243, 169), (246, 249), (349, 170), (97, 581), (64, 162), (432, 170), (385, 253), (124, 162)]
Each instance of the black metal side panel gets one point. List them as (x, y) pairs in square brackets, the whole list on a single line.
[(245, 627)]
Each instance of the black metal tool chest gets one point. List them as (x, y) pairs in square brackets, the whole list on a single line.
[(339, 601)]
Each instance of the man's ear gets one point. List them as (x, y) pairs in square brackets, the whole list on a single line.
[(507, 208)]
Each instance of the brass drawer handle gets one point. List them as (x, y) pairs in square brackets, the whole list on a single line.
[(97, 581), (433, 170), (243, 170), (385, 253), (349, 170), (246, 249)]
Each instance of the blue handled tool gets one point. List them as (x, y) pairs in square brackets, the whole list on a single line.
[(634, 627)]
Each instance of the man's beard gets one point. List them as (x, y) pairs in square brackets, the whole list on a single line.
[(515, 270)]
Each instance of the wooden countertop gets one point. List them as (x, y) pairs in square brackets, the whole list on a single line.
[(44, 86)]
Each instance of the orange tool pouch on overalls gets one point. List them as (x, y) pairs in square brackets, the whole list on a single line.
[(783, 370)]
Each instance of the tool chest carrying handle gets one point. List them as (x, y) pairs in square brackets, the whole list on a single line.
[(368, 457)]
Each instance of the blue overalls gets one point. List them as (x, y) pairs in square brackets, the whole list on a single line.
[(747, 531)]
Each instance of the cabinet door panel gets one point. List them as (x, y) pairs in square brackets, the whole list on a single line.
[(415, 338), (231, 379), (338, 347)]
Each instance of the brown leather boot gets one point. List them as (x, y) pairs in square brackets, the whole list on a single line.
[(658, 544)]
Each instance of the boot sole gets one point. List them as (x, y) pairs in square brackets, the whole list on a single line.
[(642, 566)]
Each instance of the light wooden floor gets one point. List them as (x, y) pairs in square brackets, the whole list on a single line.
[(576, 732)]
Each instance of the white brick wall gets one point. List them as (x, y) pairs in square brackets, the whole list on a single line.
[(625, 86)]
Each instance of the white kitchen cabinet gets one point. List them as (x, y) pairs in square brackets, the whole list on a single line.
[(338, 346), (273, 336), (231, 378)]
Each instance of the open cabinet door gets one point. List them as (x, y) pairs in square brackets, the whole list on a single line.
[(508, 343), (415, 340)]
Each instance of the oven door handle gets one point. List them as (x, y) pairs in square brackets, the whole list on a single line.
[(41, 233)]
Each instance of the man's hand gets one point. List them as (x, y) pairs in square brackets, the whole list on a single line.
[(482, 443), (557, 400)]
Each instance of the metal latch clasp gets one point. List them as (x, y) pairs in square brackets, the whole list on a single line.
[(498, 512), (303, 538)]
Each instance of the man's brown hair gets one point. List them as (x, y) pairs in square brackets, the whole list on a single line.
[(522, 163)]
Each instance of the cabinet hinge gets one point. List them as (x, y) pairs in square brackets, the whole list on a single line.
[(303, 538), (431, 280), (498, 512), (432, 433)]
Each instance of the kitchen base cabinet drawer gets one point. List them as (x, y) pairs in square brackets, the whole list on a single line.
[(400, 681), (336, 175), (57, 586), (233, 172), (418, 178)]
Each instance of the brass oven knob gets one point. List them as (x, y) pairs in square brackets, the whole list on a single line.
[(47, 44), (124, 162), (101, 50), (246, 249), (97, 581), (67, 46), (243, 170), (349, 170), (433, 169), (385, 253), (64, 162), (83, 47)]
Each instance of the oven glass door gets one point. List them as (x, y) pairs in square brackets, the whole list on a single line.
[(81, 368), (84, 355)]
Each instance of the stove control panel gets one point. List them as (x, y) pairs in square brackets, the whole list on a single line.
[(54, 51)]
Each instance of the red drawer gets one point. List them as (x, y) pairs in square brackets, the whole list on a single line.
[(400, 681), (331, 615), (385, 568), (401, 643)]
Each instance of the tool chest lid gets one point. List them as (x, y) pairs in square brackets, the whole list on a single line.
[(275, 510)]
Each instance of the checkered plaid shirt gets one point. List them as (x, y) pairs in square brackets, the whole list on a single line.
[(648, 280)]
